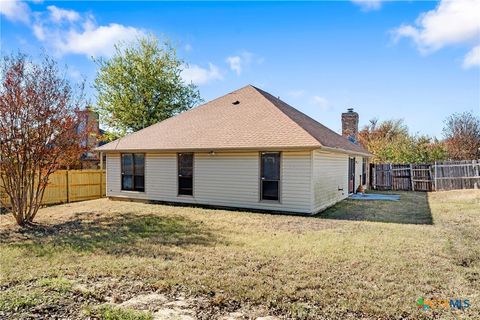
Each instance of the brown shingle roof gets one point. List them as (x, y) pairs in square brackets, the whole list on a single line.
[(258, 122)]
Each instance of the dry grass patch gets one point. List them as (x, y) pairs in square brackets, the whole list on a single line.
[(413, 208), (297, 267)]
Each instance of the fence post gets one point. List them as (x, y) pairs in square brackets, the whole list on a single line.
[(435, 175), (373, 176), (475, 172), (67, 180), (101, 174), (100, 184), (411, 177), (391, 176)]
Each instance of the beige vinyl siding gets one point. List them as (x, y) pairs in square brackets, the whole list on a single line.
[(223, 179), (113, 168), (358, 171), (330, 173)]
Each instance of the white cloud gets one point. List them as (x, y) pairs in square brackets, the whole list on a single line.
[(67, 31), (235, 63), (199, 75), (407, 31), (452, 22), (38, 32), (97, 41), (368, 5), (472, 58), (321, 102), (58, 14), (239, 62), (15, 10)]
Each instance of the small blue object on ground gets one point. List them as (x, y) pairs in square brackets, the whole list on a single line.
[(375, 196)]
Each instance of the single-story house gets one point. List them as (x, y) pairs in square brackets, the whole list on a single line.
[(246, 149)]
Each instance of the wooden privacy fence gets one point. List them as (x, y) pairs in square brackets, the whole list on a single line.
[(446, 175), (73, 185), (457, 175)]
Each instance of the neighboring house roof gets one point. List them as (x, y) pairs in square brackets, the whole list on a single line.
[(245, 119)]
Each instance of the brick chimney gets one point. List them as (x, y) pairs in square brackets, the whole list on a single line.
[(350, 125)]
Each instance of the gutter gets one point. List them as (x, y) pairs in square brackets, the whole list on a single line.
[(243, 149), (366, 154)]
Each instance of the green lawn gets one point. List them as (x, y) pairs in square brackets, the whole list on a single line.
[(357, 260)]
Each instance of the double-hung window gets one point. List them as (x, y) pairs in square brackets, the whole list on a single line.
[(270, 176), (133, 171)]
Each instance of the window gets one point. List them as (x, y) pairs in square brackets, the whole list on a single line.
[(185, 174), (133, 171), (270, 176)]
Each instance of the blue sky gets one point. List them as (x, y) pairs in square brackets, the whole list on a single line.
[(416, 60)]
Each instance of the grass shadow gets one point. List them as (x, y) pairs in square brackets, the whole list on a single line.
[(122, 234), (412, 208)]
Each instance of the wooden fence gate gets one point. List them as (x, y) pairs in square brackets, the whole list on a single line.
[(422, 178), (447, 175)]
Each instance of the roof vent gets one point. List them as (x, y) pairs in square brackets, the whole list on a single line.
[(236, 102), (352, 139)]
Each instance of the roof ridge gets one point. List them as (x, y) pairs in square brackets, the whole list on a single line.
[(294, 109), (271, 97), (268, 96)]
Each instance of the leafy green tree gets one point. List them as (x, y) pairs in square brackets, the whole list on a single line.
[(426, 150), (390, 141), (140, 85)]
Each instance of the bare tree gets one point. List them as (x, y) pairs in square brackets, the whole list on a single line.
[(41, 129), (462, 136)]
